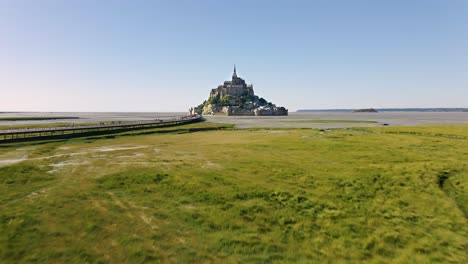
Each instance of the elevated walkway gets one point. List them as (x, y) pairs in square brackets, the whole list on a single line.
[(30, 134)]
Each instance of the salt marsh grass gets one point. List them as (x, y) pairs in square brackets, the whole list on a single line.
[(376, 195)]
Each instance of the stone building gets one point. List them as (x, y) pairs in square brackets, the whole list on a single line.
[(236, 87)]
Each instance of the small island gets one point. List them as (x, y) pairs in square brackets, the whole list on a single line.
[(367, 110), (236, 98)]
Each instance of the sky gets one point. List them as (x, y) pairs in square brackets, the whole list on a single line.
[(157, 56)]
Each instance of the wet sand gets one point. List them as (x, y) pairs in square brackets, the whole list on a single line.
[(389, 118), (80, 117)]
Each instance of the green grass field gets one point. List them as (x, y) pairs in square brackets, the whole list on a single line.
[(374, 195)]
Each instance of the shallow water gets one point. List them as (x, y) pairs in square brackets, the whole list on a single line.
[(390, 118), (86, 116)]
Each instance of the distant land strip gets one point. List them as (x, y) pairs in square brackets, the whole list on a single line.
[(36, 118), (391, 110)]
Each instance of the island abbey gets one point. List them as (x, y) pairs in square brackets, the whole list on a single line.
[(235, 97), (236, 88)]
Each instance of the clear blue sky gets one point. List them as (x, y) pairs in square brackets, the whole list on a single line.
[(102, 55)]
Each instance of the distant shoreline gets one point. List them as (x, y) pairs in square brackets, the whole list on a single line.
[(36, 118), (391, 110)]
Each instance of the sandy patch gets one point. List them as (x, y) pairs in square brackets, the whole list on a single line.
[(210, 164), (62, 164), (99, 205), (13, 161), (37, 194), (59, 165), (101, 149), (117, 201), (64, 148), (61, 155), (189, 207), (272, 131), (134, 155), (145, 218), (134, 211), (99, 156), (28, 148), (106, 149), (131, 162), (313, 136)]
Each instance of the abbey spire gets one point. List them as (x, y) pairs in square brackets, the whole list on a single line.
[(234, 75)]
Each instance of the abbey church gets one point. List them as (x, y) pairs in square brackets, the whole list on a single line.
[(236, 87)]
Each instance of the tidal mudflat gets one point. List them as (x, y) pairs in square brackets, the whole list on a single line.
[(362, 194), (345, 119)]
